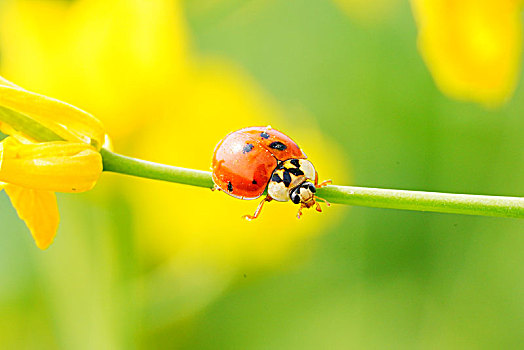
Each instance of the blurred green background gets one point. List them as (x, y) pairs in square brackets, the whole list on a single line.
[(371, 278)]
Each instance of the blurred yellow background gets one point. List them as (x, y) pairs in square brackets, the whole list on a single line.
[(144, 264)]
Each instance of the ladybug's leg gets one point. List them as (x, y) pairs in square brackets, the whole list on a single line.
[(322, 200), (216, 188), (320, 185), (323, 183), (259, 208), (299, 214)]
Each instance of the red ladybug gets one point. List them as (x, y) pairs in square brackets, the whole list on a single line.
[(249, 160)]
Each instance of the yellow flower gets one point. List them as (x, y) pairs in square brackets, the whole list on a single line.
[(473, 48), (30, 172), (58, 166)]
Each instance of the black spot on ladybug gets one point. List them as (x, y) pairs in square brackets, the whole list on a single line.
[(276, 178), (295, 162), (279, 146), (287, 178), (247, 148), (254, 182), (230, 186), (295, 171), (264, 135)]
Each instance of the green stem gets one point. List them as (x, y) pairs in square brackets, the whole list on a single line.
[(512, 207), (131, 166), (369, 197), (361, 196)]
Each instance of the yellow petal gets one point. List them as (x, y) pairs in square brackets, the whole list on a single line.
[(472, 47), (39, 211), (66, 120), (5, 82), (54, 166)]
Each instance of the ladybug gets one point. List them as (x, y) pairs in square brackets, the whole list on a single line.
[(248, 161)]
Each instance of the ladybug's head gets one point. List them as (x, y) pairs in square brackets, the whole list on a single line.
[(303, 194)]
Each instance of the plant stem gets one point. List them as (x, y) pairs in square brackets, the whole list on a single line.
[(369, 197), (425, 201), (361, 196), (131, 166)]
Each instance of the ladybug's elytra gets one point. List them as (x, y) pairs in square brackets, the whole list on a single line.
[(249, 160)]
